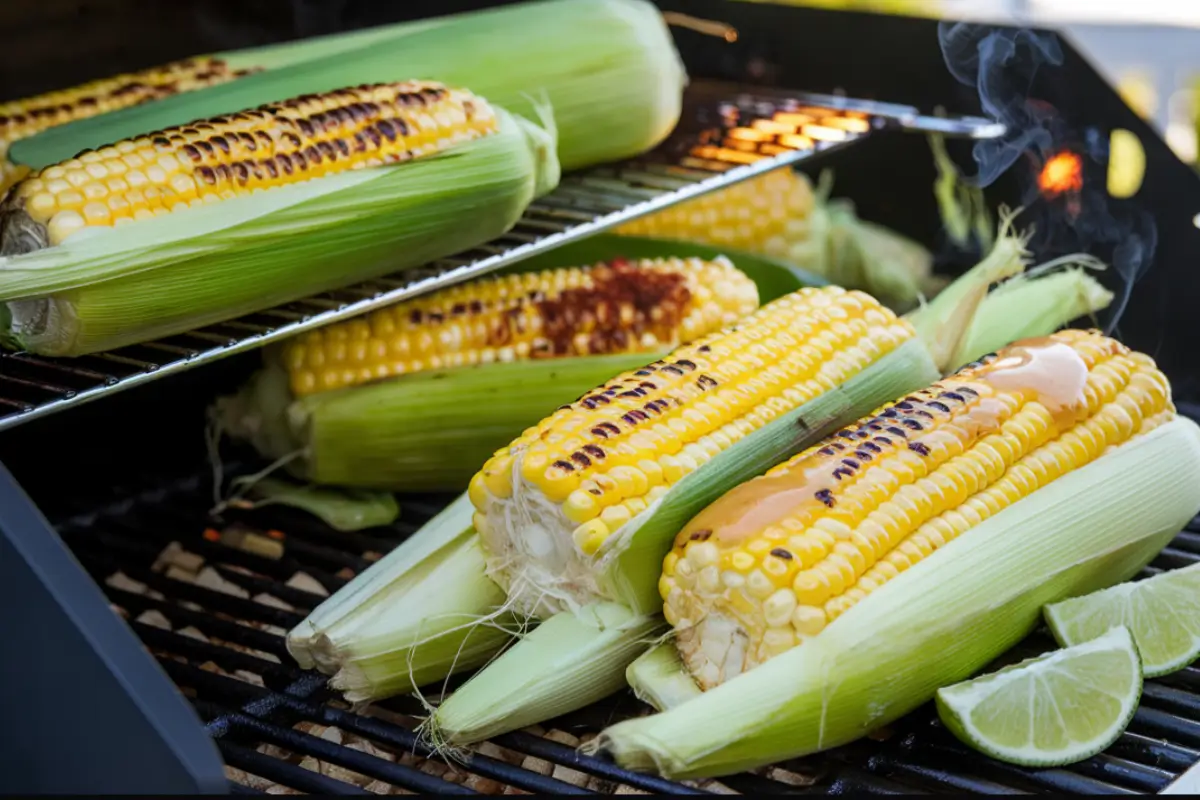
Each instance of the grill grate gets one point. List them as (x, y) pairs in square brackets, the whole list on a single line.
[(214, 615), (721, 142)]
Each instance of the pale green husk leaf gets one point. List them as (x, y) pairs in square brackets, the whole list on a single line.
[(410, 618), (428, 431), (165, 275), (608, 68), (343, 510), (659, 678), (938, 622), (567, 662), (1030, 305)]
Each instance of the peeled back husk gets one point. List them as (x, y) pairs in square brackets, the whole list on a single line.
[(427, 431), (939, 622), (113, 287), (608, 68), (410, 618)]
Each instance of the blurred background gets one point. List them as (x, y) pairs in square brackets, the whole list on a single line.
[(1149, 49)]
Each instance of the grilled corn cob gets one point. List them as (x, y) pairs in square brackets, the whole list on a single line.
[(616, 86), (559, 667), (218, 159), (26, 117), (606, 308), (779, 215), (842, 588), (590, 468), (259, 207), (429, 418)]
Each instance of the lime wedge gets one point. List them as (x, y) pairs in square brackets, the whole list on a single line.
[(1055, 709), (1162, 613)]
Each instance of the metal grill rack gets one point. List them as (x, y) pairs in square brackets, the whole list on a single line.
[(214, 613), (722, 141)]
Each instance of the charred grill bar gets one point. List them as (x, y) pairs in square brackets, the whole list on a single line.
[(126, 485)]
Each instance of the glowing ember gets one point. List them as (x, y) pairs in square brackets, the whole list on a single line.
[(1062, 173)]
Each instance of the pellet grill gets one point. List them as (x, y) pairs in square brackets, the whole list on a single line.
[(188, 688)]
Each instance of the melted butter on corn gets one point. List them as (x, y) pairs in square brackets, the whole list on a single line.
[(224, 157), (620, 307), (602, 460), (777, 559)]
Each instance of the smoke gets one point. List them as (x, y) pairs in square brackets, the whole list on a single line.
[(1002, 64)]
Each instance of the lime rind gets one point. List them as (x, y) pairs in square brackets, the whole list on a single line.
[(1042, 697), (1162, 613)]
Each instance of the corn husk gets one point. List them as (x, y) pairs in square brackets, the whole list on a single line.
[(410, 618), (347, 510), (608, 68), (427, 431), (938, 622), (659, 679), (566, 663), (111, 287)]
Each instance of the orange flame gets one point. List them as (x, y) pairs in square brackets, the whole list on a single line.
[(1062, 173)]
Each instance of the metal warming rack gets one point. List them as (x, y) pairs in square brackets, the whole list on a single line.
[(722, 143)]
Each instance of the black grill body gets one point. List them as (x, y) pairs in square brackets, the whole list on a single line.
[(194, 690)]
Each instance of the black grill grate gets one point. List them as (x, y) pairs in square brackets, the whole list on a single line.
[(220, 638), (717, 145)]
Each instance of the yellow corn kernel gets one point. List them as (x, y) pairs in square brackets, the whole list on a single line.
[(954, 455), (555, 313), (271, 146)]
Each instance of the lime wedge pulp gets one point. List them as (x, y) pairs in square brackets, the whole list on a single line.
[(1162, 613), (1055, 709)]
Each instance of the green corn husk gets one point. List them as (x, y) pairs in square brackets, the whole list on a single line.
[(1028, 306), (410, 618), (659, 679), (566, 663), (349, 510), (629, 567), (608, 68), (108, 288), (938, 622), (428, 431)]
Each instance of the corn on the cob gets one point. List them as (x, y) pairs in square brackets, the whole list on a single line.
[(768, 214), (218, 159), (28, 116), (778, 214), (620, 307), (839, 590), (626, 567), (590, 468), (289, 210), (615, 86), (429, 417)]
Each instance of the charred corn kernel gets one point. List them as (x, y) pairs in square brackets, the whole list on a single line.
[(605, 308), (950, 456), (767, 214), (275, 145), (714, 391), (22, 118)]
